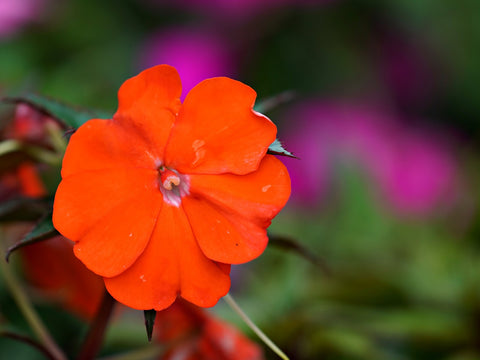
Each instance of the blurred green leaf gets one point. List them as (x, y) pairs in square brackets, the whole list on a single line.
[(66, 114), (346, 342), (293, 245), (28, 341), (24, 209)]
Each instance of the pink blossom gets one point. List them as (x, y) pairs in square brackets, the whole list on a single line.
[(14, 14), (197, 54), (414, 170)]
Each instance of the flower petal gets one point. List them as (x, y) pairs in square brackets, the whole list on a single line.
[(83, 199), (148, 104), (114, 243), (104, 144), (229, 214), (223, 237), (217, 131), (171, 265)]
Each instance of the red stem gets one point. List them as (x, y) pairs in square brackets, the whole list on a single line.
[(94, 339)]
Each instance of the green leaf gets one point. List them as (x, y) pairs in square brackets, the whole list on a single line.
[(42, 231), (149, 322), (28, 341), (24, 209), (294, 246), (276, 148), (67, 115)]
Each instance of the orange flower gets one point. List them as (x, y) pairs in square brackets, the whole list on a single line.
[(162, 198), (195, 335)]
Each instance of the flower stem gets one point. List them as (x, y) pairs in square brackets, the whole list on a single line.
[(56, 138), (29, 313), (228, 298), (94, 339)]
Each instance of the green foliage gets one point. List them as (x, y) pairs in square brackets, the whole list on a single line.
[(42, 231), (346, 279), (67, 115), (23, 209)]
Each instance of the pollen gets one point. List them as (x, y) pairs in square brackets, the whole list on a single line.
[(169, 179), (172, 185)]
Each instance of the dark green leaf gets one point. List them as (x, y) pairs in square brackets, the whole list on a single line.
[(24, 209), (68, 115), (276, 148), (149, 322), (29, 341), (42, 231), (293, 245)]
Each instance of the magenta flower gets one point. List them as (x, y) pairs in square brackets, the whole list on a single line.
[(14, 14), (422, 174), (414, 170), (197, 54)]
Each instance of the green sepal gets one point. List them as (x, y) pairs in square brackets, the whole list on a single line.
[(149, 322), (42, 231), (65, 114), (276, 148)]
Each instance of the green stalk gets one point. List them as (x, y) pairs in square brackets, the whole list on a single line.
[(56, 137), (29, 312), (42, 155), (229, 300)]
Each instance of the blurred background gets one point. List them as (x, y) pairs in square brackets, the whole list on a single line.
[(380, 102)]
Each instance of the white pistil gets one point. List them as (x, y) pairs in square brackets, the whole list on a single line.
[(173, 185), (171, 181)]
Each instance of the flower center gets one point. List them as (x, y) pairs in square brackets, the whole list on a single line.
[(173, 185), (169, 179)]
